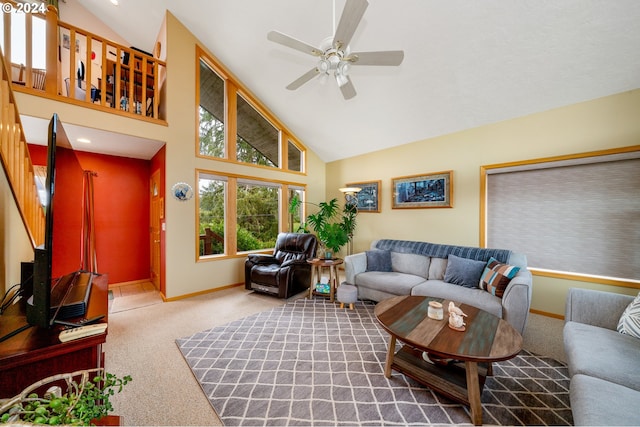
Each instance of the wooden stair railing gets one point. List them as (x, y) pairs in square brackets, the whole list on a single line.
[(16, 161)]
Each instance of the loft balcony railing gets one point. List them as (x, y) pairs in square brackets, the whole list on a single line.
[(51, 58)]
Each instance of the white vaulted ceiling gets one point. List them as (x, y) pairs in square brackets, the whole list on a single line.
[(467, 63)]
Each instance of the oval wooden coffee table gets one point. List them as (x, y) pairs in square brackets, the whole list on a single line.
[(486, 339)]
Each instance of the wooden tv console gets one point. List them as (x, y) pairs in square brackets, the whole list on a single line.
[(37, 353)]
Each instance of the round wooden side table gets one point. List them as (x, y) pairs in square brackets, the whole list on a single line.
[(317, 264)]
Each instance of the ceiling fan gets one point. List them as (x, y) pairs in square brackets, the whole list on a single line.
[(334, 53)]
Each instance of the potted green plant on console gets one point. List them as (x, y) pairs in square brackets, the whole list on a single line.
[(333, 227), (84, 402)]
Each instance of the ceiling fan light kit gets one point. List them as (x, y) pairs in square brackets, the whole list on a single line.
[(334, 53)]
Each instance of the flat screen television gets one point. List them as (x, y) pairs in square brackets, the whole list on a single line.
[(60, 288)]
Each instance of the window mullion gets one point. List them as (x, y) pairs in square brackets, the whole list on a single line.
[(231, 205), (231, 113)]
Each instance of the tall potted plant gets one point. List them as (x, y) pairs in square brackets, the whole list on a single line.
[(333, 227)]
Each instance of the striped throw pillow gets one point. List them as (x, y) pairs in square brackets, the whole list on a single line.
[(629, 322), (496, 277)]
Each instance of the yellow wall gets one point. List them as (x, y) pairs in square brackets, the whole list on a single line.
[(599, 124), (184, 276)]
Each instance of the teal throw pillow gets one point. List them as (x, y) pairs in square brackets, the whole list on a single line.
[(497, 276)]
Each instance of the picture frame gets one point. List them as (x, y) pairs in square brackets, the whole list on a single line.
[(429, 190), (368, 197)]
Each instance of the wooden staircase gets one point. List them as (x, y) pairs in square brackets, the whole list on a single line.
[(16, 161)]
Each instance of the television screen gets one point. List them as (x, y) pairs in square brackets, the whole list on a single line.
[(58, 260)]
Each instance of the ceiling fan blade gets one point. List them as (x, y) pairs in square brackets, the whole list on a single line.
[(387, 57), (303, 79), (348, 90), (289, 41), (351, 16)]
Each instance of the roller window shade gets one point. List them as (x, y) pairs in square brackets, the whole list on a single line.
[(577, 218)]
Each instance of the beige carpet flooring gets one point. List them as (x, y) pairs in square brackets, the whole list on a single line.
[(141, 343)]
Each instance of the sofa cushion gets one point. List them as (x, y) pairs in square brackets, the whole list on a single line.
[(437, 267), (392, 283), (595, 402), (496, 277), (463, 271), (460, 295), (418, 265), (378, 260), (602, 353), (629, 322)]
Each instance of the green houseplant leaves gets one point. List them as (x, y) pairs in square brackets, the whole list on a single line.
[(333, 226)]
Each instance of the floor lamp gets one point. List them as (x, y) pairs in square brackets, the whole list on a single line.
[(351, 199)]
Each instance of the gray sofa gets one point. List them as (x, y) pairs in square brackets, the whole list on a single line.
[(418, 268), (604, 364)]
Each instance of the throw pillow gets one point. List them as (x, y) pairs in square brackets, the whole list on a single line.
[(463, 271), (378, 260), (437, 267), (496, 277), (415, 264), (629, 322)]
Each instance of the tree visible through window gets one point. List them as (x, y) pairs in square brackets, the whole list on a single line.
[(211, 134), (211, 227), (257, 216), (211, 112)]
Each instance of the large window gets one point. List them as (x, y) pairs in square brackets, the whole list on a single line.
[(575, 217), (241, 213), (234, 126)]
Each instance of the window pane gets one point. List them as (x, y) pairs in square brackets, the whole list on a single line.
[(257, 141), (295, 157), (296, 218), (211, 112), (257, 216), (211, 210), (18, 39), (39, 43)]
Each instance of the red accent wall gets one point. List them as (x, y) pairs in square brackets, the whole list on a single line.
[(121, 202)]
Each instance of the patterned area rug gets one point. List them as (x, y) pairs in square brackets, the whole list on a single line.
[(311, 363)]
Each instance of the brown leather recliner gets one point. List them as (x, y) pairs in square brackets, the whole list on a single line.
[(285, 272)]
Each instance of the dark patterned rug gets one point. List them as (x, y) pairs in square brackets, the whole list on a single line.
[(311, 363)]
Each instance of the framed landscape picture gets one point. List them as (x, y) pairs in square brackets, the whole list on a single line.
[(432, 190), (369, 197)]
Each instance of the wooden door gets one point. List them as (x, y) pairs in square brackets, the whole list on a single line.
[(157, 212)]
